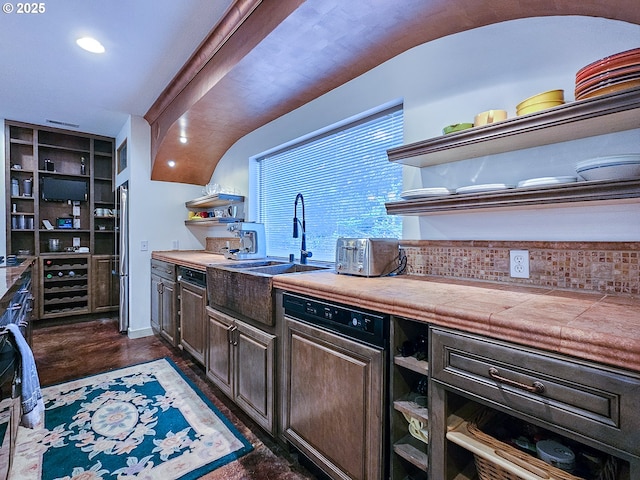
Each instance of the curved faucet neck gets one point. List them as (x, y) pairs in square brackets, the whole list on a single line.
[(303, 247)]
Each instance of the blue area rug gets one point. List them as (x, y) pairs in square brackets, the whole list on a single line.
[(146, 421)]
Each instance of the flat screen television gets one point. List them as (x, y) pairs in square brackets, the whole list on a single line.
[(60, 189)]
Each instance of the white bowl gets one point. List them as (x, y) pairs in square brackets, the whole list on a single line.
[(614, 167)]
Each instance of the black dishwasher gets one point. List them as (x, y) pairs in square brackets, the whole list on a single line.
[(194, 277), (335, 375)]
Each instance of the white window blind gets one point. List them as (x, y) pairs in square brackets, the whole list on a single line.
[(345, 178)]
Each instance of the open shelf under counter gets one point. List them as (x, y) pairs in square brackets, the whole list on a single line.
[(412, 406), (412, 363), (610, 113), (413, 451), (599, 190)]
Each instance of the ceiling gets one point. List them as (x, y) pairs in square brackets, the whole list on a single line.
[(45, 76), (264, 59), (318, 46)]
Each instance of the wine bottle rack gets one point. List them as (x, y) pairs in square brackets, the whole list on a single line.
[(65, 285)]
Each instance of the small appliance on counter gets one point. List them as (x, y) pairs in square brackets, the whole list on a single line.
[(252, 241), (367, 257)]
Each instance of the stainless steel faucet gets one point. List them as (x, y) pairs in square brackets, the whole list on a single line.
[(304, 253)]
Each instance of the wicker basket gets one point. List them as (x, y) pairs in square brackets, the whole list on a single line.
[(495, 460)]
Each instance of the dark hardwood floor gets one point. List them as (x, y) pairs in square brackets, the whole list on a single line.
[(66, 350)]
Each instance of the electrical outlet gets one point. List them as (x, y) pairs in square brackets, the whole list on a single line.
[(176, 244), (519, 264), (144, 245)]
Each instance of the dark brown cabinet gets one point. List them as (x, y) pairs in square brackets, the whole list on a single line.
[(589, 405), (105, 285), (60, 197), (241, 362), (163, 300), (193, 299)]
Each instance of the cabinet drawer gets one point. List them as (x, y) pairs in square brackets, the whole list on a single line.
[(592, 400), (163, 269)]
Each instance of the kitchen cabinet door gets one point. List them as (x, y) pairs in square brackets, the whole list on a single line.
[(156, 303), (333, 401), (104, 284), (220, 351), (192, 319), (241, 362), (168, 322), (255, 379), (163, 300)]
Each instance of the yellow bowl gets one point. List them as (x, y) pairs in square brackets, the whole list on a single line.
[(536, 107), (549, 96), (490, 116)]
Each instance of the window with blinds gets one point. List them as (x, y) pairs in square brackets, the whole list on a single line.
[(345, 178)]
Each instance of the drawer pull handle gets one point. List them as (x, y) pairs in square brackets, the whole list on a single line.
[(537, 387), (231, 329)]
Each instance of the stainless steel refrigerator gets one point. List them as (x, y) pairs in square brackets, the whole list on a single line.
[(123, 252)]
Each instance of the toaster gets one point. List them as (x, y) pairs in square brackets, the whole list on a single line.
[(367, 257)]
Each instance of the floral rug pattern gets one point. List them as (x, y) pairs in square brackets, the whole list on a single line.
[(141, 422)]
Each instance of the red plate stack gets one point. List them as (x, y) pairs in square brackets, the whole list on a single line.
[(611, 74)]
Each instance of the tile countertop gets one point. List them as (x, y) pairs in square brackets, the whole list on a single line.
[(592, 326), (8, 278), (196, 259)]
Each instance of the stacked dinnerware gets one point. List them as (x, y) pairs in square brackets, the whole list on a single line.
[(612, 167), (611, 74)]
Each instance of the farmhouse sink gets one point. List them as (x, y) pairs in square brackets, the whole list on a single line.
[(246, 288)]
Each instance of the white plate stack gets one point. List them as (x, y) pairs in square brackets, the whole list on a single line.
[(612, 167)]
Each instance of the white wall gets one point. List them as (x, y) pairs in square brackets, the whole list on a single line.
[(156, 215), (451, 79)]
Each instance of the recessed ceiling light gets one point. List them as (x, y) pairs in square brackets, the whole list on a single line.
[(183, 139), (171, 163), (90, 45)]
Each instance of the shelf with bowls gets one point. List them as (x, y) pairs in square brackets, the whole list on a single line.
[(208, 222), (594, 116), (215, 200), (202, 216), (600, 115)]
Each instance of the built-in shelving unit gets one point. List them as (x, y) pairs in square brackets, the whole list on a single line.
[(409, 454), (37, 154), (585, 118), (216, 201)]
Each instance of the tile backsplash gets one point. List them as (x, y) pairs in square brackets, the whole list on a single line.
[(216, 244), (607, 267)]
